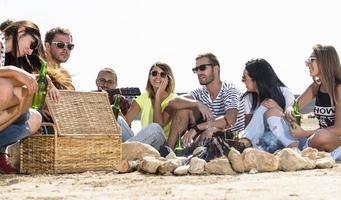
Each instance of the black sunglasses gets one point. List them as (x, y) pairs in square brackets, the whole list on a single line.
[(201, 68), (35, 44), (61, 45), (155, 73)]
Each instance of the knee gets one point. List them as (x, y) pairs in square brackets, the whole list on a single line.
[(319, 140), (273, 112), (156, 127), (35, 120), (7, 92)]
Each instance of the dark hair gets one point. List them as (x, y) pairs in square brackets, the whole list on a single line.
[(58, 30), (6, 23), (30, 62), (171, 82), (267, 81), (213, 59)]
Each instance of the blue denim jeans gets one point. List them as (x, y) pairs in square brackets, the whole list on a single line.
[(152, 134), (15, 132), (261, 136)]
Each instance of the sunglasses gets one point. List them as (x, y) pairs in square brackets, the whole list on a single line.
[(201, 68), (155, 73), (35, 44), (310, 60), (61, 45), (244, 79), (102, 81)]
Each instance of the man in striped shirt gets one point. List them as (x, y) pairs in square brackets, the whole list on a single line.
[(216, 105)]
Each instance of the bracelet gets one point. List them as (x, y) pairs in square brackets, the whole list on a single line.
[(195, 127)]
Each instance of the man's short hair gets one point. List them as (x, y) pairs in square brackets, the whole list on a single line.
[(213, 59), (108, 70), (58, 30)]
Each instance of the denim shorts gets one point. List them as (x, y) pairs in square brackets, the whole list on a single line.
[(15, 132)]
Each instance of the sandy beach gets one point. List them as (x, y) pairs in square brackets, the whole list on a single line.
[(306, 184)]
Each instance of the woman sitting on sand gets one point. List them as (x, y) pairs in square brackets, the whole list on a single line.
[(265, 100), (17, 87), (153, 106), (324, 68)]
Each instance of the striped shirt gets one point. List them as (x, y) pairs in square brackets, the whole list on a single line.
[(2, 49), (229, 97)]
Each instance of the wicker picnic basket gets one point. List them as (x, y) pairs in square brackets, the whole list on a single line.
[(87, 137)]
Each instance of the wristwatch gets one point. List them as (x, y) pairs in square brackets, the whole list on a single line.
[(195, 127)]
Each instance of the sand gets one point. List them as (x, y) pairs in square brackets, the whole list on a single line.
[(306, 184)]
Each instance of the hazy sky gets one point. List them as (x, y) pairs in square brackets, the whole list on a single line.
[(130, 35)]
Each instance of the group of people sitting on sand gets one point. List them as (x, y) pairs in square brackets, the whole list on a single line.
[(262, 116)]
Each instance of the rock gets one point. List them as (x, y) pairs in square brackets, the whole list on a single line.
[(323, 154), (126, 166), (236, 160), (183, 160), (310, 153), (325, 163), (197, 166), (220, 166), (138, 150), (182, 170), (150, 164), (260, 160), (291, 160), (169, 166)]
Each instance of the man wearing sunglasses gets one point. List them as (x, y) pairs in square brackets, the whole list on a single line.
[(58, 44), (216, 105)]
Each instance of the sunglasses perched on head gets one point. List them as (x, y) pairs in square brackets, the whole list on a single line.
[(155, 73), (61, 45), (201, 67)]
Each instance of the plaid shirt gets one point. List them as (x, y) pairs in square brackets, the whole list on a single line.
[(125, 104)]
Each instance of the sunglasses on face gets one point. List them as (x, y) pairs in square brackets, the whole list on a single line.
[(155, 73), (61, 45), (244, 78), (310, 60), (200, 68), (35, 43), (102, 81)]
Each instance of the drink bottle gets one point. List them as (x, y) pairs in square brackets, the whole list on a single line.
[(39, 97), (297, 114), (179, 147), (116, 106)]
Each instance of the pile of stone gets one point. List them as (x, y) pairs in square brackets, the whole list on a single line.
[(144, 158)]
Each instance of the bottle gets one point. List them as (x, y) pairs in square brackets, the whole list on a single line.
[(179, 147), (297, 114), (116, 106), (39, 97)]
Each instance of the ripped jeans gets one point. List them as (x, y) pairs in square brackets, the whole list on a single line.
[(268, 134)]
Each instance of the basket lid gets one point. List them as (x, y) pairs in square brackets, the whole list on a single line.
[(79, 113)]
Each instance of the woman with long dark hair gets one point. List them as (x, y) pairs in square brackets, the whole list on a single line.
[(265, 100), (17, 87)]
